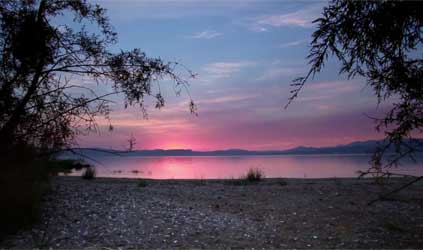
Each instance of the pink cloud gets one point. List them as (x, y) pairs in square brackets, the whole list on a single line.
[(300, 18)]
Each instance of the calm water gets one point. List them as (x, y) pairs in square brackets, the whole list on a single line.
[(222, 167)]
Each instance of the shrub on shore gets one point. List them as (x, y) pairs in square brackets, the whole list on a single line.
[(89, 173), (55, 166), (21, 192), (23, 183), (254, 175)]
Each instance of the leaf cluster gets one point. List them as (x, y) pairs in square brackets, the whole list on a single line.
[(382, 42), (41, 103)]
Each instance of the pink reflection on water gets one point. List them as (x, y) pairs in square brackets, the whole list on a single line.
[(181, 167)]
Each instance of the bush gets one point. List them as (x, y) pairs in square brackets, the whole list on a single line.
[(63, 166), (254, 175), (23, 183), (89, 173)]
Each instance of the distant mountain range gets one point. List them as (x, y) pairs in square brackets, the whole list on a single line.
[(361, 147)]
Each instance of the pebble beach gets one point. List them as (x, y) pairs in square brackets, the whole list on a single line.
[(107, 213)]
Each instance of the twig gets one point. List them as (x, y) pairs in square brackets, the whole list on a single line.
[(362, 174), (381, 197)]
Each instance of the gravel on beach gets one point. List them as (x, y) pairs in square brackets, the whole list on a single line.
[(274, 213)]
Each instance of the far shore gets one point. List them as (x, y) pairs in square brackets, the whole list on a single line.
[(204, 213)]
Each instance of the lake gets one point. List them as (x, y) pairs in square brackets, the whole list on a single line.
[(224, 167)]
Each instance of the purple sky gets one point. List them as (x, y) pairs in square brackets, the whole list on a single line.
[(246, 53)]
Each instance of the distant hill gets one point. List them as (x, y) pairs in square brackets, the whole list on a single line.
[(361, 147)]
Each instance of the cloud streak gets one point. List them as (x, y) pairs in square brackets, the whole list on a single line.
[(207, 34), (293, 43), (226, 69), (277, 73), (227, 99), (301, 18)]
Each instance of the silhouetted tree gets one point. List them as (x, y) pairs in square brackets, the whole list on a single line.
[(39, 104), (132, 141), (381, 41)]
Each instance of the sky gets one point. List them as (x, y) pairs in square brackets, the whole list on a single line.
[(245, 54)]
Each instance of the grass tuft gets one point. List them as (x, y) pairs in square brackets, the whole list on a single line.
[(254, 175), (89, 173)]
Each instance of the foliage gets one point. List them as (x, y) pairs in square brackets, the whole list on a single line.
[(24, 182), (89, 173), (380, 41), (254, 175), (55, 166), (40, 104), (43, 107)]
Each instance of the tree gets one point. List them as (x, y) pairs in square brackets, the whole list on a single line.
[(382, 42), (39, 104), (132, 141)]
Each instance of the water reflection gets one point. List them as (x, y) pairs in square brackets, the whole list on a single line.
[(198, 167)]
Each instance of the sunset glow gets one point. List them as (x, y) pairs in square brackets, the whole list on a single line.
[(246, 54)]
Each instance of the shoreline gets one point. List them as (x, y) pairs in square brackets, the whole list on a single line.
[(215, 213), (263, 180)]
